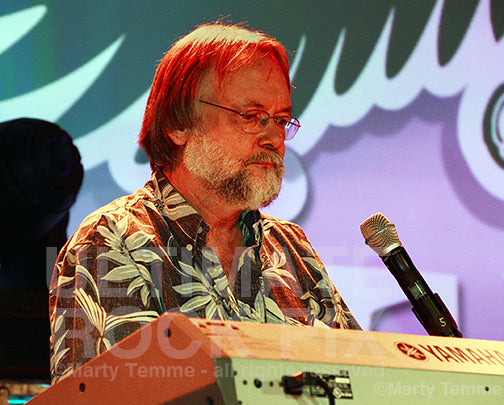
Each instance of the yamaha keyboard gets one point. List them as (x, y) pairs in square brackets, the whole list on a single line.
[(180, 360)]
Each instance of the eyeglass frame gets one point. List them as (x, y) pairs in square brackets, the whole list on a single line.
[(294, 122)]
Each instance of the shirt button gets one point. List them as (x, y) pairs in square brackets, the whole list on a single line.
[(189, 247)]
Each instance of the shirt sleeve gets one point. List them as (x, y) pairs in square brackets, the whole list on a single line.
[(101, 292), (310, 290)]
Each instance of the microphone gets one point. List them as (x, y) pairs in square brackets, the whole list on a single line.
[(381, 236)]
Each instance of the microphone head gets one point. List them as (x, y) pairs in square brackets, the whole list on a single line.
[(380, 234)]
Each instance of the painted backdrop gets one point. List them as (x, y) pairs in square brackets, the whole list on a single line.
[(402, 112)]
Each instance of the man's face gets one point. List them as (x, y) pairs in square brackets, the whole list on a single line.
[(244, 169)]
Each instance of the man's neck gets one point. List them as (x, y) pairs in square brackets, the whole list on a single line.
[(225, 235), (216, 212)]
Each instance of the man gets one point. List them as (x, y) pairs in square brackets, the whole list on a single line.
[(192, 239)]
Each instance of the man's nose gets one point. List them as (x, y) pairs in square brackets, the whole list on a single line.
[(272, 136)]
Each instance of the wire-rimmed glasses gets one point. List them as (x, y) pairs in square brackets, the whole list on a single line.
[(254, 121)]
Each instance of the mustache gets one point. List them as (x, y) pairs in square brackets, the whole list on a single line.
[(265, 157)]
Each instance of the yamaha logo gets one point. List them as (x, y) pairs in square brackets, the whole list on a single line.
[(411, 351)]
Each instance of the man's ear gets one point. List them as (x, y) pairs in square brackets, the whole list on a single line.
[(179, 136)]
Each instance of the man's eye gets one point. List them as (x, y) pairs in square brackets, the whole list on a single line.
[(249, 117), (282, 121)]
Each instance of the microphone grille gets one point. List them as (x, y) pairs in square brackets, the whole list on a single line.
[(380, 234)]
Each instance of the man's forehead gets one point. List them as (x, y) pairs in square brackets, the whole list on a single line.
[(260, 68)]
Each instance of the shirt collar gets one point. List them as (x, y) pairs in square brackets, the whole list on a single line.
[(184, 221)]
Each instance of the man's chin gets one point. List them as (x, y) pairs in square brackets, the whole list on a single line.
[(264, 198), (251, 191)]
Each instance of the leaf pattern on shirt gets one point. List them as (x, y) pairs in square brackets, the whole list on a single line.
[(132, 255), (103, 323), (174, 205), (203, 296), (145, 254), (210, 292), (276, 271), (328, 308), (59, 351), (264, 310)]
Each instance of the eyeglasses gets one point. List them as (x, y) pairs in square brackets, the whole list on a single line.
[(253, 121)]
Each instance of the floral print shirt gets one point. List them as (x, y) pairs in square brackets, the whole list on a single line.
[(145, 254)]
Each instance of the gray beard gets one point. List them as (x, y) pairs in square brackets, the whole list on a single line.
[(243, 190), (231, 179)]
